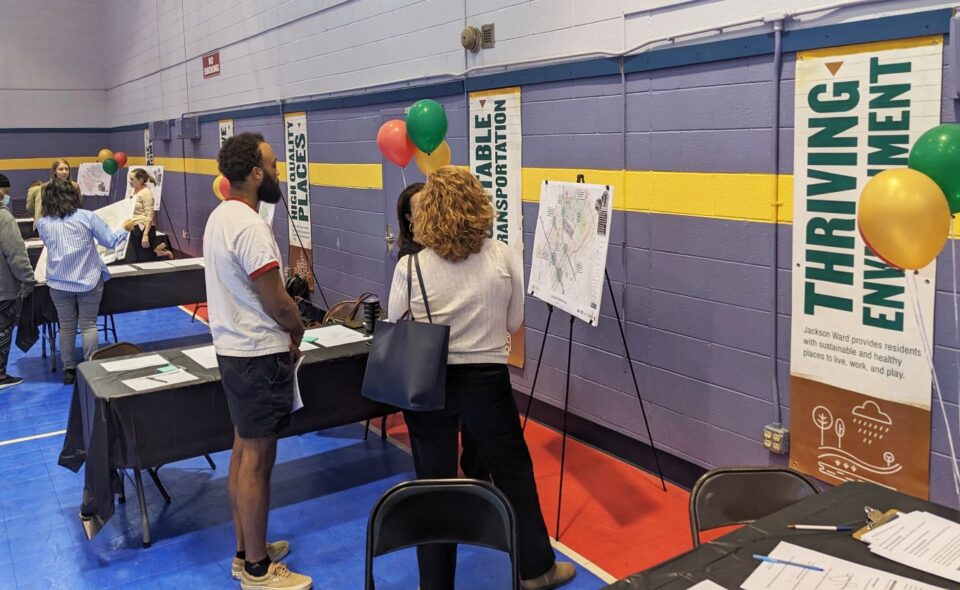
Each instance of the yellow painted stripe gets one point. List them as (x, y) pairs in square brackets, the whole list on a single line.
[(363, 176), (871, 47)]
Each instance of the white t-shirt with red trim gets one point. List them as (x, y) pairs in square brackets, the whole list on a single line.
[(238, 247)]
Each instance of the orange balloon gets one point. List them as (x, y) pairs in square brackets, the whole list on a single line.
[(904, 218)]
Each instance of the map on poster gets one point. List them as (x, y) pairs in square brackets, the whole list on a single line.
[(113, 215), (570, 247), (157, 173), (93, 181)]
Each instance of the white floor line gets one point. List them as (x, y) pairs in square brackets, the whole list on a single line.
[(581, 560), (14, 441)]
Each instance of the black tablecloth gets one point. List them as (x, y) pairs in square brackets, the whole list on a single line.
[(111, 427), (728, 561), (35, 246), (147, 289), (26, 227)]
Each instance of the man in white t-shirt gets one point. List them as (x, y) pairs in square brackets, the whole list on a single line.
[(256, 332)]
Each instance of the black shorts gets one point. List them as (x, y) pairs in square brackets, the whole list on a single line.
[(259, 392)]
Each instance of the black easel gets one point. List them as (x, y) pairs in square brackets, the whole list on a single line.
[(566, 394)]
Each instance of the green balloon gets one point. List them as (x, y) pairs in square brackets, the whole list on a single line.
[(427, 125), (937, 154), (110, 166)]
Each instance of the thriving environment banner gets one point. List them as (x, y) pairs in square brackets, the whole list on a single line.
[(860, 377)]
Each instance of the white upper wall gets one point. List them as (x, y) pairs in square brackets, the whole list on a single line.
[(51, 64), (115, 62)]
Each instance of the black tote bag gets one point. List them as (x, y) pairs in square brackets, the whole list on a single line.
[(407, 366)]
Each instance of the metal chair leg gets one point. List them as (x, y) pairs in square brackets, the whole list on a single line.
[(383, 428), (144, 518), (159, 484), (366, 429), (210, 462), (113, 328), (122, 496)]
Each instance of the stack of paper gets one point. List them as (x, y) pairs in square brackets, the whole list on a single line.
[(330, 336), (920, 540), (121, 270), (132, 364), (205, 356), (833, 573), (153, 265), (159, 380)]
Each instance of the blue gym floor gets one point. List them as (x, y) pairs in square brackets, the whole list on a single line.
[(324, 485)]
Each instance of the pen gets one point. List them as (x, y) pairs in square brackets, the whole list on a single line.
[(776, 561), (819, 527)]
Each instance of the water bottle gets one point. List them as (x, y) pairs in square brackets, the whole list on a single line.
[(371, 313)]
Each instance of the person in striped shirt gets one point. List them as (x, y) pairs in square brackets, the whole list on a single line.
[(75, 272)]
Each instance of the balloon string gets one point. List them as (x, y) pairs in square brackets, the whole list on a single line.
[(403, 175), (956, 313), (918, 316)]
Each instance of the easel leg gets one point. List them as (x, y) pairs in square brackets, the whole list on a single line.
[(563, 443), (536, 372), (636, 385)]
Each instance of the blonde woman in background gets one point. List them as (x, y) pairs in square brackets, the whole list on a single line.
[(475, 286), (59, 170), (143, 238)]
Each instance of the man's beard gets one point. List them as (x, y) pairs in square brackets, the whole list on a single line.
[(269, 190)]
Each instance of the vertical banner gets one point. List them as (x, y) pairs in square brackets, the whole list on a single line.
[(226, 130), (495, 159), (298, 195), (147, 147), (860, 376)]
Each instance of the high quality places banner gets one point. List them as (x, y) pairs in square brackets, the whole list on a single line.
[(147, 148), (860, 377), (226, 130), (298, 195), (495, 159)]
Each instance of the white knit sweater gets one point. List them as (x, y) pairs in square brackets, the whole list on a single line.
[(480, 298)]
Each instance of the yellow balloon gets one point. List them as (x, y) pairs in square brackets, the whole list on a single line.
[(216, 187), (904, 218), (104, 154), (429, 163)]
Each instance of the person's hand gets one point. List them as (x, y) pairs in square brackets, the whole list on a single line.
[(145, 242), (25, 292), (129, 224), (297, 335), (295, 353)]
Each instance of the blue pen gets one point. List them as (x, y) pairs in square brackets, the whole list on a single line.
[(776, 561)]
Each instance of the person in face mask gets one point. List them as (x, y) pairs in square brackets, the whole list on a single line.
[(16, 279), (256, 332)]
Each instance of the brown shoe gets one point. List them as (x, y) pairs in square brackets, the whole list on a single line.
[(561, 573)]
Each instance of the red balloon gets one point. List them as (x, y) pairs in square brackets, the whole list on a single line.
[(121, 158), (394, 144), (224, 187)]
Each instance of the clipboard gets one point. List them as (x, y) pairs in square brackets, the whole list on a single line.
[(877, 519)]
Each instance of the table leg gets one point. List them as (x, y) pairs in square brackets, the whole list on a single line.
[(383, 428), (210, 462), (159, 484), (53, 348), (144, 519)]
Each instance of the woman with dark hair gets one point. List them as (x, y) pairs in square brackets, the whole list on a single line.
[(59, 170), (405, 205), (474, 285), (75, 272), (143, 237)]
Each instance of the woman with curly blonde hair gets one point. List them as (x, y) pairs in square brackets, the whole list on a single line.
[(475, 285)]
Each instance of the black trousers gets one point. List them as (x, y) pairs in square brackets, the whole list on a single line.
[(480, 396), (8, 317), (136, 252)]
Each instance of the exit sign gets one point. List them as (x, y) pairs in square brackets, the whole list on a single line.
[(211, 64)]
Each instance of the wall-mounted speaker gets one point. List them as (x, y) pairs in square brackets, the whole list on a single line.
[(160, 130), (189, 128)]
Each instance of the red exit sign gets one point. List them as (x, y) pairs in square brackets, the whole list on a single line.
[(211, 64)]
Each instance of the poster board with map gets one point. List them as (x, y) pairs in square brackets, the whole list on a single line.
[(93, 180), (570, 247)]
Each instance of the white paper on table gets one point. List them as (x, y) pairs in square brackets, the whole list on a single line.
[(137, 362), (305, 346), (121, 270), (837, 573), (920, 540), (205, 356), (706, 585), (159, 380), (297, 400), (185, 262), (330, 336), (153, 265)]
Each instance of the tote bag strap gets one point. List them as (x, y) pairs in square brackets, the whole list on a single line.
[(423, 290), (409, 311)]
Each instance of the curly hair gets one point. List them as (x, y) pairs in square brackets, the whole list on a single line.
[(239, 155), (454, 214), (60, 198)]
